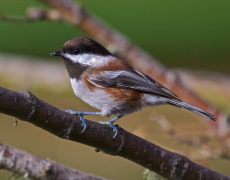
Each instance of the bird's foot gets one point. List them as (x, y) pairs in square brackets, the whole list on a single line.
[(81, 115), (110, 123), (83, 123)]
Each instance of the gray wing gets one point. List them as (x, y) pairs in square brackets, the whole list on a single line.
[(132, 80)]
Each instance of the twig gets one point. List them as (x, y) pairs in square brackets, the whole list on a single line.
[(28, 165), (168, 164), (34, 14)]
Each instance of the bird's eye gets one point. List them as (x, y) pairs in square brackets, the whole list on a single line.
[(75, 51)]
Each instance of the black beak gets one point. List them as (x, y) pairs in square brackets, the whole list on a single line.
[(56, 53)]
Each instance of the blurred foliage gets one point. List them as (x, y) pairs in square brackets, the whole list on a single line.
[(193, 34)]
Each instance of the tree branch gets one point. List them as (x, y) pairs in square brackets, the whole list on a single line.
[(28, 165), (33, 15), (168, 164)]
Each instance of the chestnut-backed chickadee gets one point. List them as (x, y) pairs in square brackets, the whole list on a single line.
[(109, 84)]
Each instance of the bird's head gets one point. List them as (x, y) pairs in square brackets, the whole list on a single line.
[(83, 51)]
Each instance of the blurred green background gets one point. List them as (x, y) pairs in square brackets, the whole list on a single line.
[(192, 34)]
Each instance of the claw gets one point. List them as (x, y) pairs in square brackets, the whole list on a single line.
[(110, 124), (81, 115), (83, 123), (115, 131), (114, 127)]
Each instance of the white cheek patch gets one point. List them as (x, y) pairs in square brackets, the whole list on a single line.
[(89, 59)]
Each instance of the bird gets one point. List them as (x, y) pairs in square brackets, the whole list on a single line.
[(111, 85)]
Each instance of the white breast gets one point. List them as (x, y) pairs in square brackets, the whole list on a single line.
[(96, 98)]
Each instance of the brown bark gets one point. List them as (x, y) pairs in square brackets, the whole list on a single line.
[(28, 165), (168, 164)]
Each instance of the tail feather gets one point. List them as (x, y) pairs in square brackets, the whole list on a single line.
[(190, 107)]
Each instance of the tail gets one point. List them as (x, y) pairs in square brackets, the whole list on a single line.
[(190, 107)]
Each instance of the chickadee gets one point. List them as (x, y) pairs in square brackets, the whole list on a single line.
[(111, 85)]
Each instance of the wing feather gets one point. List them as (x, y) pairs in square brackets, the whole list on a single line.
[(132, 80)]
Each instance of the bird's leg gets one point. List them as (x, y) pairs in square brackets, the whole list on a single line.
[(84, 123), (81, 115), (110, 124)]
